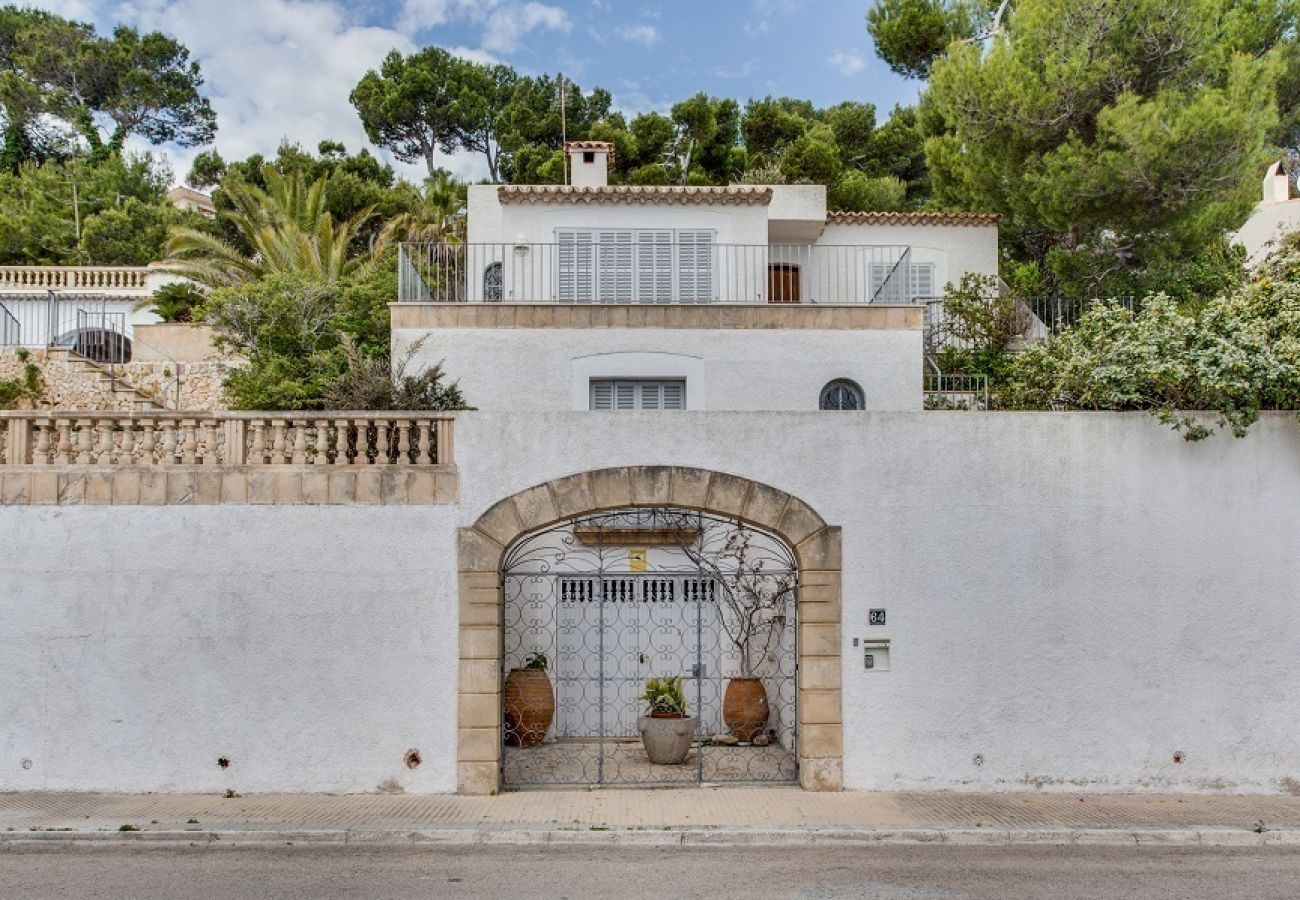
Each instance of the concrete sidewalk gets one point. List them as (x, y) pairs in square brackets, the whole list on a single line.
[(677, 817)]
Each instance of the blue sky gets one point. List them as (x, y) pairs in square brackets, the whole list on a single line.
[(283, 68)]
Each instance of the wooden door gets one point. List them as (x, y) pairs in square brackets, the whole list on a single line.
[(782, 283)]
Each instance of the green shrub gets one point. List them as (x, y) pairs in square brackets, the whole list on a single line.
[(29, 387)]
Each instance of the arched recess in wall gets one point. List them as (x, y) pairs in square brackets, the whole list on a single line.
[(482, 549)]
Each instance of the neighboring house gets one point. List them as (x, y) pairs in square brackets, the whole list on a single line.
[(190, 200), (1277, 214), (593, 295)]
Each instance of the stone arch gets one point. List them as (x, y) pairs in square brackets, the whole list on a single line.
[(482, 546)]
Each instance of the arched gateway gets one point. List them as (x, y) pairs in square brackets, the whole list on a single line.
[(619, 575)]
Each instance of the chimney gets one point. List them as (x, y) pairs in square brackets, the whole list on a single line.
[(1277, 185), (589, 162)]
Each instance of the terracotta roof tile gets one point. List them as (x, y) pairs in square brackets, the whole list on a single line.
[(646, 195), (912, 218), (591, 145)]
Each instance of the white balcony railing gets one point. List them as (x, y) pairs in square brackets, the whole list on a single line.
[(226, 439), (645, 267), (109, 279)]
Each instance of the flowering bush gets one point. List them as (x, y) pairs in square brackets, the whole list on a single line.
[(1238, 355)]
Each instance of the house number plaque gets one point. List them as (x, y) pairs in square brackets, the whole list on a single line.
[(876, 617)]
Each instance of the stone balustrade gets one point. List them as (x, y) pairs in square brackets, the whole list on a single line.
[(83, 278), (227, 457)]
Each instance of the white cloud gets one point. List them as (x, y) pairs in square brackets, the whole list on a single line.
[(475, 54), (640, 34), (417, 15), (507, 24), (762, 12), (504, 23), (80, 10), (848, 62), (276, 69)]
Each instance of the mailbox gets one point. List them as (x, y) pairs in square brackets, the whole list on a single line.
[(875, 654)]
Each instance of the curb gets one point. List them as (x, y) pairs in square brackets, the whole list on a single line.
[(682, 838)]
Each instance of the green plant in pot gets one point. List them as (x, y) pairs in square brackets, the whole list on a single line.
[(666, 730), (529, 702)]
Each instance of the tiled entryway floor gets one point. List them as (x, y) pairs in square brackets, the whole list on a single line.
[(623, 762)]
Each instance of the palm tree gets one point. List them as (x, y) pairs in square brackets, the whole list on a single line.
[(436, 212), (286, 227)]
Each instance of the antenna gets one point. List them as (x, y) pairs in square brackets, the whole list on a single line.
[(562, 97)]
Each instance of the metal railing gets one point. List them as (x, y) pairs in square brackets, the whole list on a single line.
[(956, 392), (226, 439), (11, 330), (1058, 313), (114, 279), (644, 267), (95, 325), (1032, 318)]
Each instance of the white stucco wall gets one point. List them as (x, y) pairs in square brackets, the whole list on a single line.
[(491, 222), (311, 646), (1073, 596), (755, 369), (1268, 224), (953, 249)]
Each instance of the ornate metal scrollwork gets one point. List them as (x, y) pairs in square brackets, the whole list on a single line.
[(615, 598)]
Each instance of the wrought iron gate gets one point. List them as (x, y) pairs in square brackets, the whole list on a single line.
[(610, 600)]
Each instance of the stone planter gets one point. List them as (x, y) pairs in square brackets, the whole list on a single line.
[(667, 740), (744, 707), (529, 706)]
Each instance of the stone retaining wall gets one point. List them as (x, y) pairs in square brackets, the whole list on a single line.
[(71, 384), (66, 384)]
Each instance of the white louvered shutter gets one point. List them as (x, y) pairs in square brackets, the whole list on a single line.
[(625, 393), (602, 395), (633, 394), (615, 253), (694, 266), (650, 391), (889, 282), (922, 281), (575, 267), (674, 395), (654, 266)]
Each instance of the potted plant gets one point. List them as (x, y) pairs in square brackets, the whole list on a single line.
[(529, 702), (755, 595), (666, 730)]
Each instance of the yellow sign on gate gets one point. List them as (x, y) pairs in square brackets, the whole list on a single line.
[(637, 559)]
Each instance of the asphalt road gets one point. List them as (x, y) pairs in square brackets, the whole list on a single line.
[(906, 873)]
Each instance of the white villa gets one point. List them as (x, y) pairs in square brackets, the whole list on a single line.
[(701, 449), (593, 295)]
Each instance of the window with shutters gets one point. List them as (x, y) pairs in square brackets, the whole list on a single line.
[(638, 393), (635, 266), (903, 283)]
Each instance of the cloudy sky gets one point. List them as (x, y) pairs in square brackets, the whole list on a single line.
[(284, 68)]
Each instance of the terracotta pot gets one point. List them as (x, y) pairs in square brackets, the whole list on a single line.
[(744, 707), (667, 737), (529, 706)]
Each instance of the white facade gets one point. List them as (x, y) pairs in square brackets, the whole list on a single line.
[(1071, 597), (501, 369), (756, 246)]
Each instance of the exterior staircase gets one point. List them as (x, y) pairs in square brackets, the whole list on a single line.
[(117, 384)]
